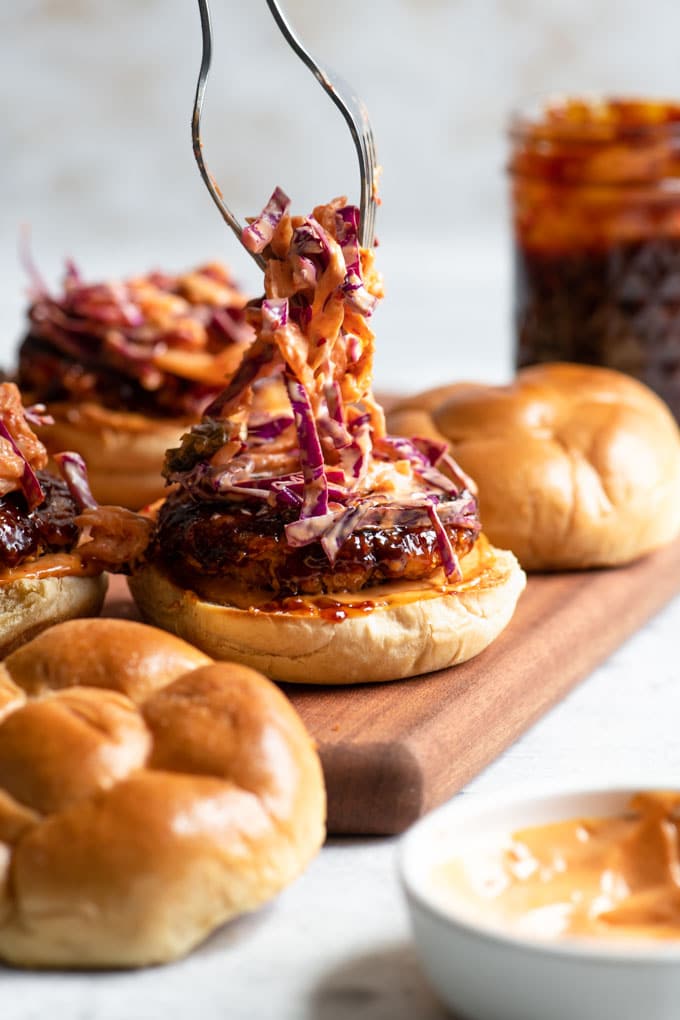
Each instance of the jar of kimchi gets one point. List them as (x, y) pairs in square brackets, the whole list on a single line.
[(596, 211)]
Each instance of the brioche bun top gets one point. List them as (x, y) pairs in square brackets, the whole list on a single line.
[(577, 466), (146, 796)]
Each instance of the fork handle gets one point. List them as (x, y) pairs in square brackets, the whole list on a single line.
[(206, 57), (365, 170)]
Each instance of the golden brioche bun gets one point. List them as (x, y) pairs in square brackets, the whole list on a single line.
[(28, 605), (124, 452), (411, 630), (577, 466), (132, 826), (120, 655)]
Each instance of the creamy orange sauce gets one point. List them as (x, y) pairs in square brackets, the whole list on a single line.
[(50, 565), (342, 605), (616, 877)]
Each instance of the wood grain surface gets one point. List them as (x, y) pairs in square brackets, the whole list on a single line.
[(392, 751)]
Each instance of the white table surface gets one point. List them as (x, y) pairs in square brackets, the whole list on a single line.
[(337, 945)]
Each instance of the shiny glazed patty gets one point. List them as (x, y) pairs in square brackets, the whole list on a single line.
[(247, 544), (50, 527)]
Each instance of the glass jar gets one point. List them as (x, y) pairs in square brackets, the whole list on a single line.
[(596, 211)]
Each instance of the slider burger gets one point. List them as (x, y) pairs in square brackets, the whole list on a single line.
[(303, 540), (54, 539), (126, 367)]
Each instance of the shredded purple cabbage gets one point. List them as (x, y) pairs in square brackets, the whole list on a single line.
[(422, 463), (74, 472), (356, 457), (106, 303), (266, 427), (330, 498), (446, 551), (304, 272), (341, 529), (274, 314), (257, 235), (72, 276), (311, 455), (248, 371), (37, 415), (347, 230), (231, 325), (30, 486), (459, 476), (331, 419), (432, 449), (107, 325), (335, 527), (310, 240)]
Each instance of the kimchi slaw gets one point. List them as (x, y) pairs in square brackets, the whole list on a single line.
[(298, 425)]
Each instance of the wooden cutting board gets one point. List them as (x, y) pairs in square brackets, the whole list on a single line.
[(392, 751)]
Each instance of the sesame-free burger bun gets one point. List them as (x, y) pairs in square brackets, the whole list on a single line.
[(412, 628), (147, 795), (124, 451), (28, 605), (577, 466)]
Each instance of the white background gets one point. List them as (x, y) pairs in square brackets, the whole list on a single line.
[(95, 154)]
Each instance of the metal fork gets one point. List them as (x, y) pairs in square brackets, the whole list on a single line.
[(344, 97)]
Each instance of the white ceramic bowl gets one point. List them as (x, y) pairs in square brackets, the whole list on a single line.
[(487, 973)]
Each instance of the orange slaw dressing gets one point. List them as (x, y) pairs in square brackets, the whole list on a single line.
[(613, 877)]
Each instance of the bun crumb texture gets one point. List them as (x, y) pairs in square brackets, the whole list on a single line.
[(147, 795)]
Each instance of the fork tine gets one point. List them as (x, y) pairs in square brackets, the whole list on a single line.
[(356, 117), (344, 97), (206, 57), (371, 206)]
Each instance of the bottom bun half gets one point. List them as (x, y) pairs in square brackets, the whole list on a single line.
[(406, 633), (28, 605)]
